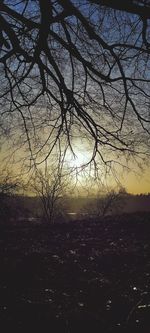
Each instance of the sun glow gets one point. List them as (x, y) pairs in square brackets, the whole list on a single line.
[(78, 160)]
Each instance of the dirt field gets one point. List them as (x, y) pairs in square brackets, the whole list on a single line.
[(77, 277)]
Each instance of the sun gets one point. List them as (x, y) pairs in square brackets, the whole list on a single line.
[(78, 160)]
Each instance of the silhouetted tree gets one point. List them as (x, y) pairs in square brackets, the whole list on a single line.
[(108, 203), (8, 188), (73, 69), (111, 203), (51, 186)]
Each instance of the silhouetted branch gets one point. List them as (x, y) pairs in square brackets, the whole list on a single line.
[(70, 68)]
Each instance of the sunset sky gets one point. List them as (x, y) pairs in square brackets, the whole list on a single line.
[(137, 183), (77, 75), (134, 179)]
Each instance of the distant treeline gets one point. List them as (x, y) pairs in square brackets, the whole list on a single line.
[(25, 206)]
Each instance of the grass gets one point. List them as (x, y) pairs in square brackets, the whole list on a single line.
[(89, 276)]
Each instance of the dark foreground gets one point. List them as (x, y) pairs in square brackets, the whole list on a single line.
[(80, 277)]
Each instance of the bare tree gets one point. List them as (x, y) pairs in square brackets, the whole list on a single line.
[(108, 203), (9, 187), (51, 187), (72, 69), (9, 184), (111, 203)]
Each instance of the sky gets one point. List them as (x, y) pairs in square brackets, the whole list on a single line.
[(135, 181), (138, 183)]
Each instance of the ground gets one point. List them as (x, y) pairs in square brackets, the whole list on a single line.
[(78, 277)]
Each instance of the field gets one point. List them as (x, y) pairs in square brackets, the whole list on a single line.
[(76, 277)]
